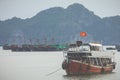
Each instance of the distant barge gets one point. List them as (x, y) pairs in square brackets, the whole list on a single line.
[(35, 47)]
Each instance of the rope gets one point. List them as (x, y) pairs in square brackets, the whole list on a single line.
[(53, 72)]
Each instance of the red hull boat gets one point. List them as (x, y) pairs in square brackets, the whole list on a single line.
[(87, 59)]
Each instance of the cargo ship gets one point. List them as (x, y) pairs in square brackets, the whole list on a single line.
[(88, 58)]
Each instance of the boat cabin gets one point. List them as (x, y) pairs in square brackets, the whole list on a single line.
[(87, 47)]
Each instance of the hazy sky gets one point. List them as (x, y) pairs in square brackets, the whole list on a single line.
[(28, 8)]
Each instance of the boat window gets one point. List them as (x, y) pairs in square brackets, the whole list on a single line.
[(95, 61), (84, 48), (92, 60), (110, 48), (95, 48)]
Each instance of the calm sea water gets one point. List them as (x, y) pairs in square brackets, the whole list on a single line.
[(43, 66)]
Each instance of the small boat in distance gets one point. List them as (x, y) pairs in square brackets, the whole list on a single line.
[(88, 58)]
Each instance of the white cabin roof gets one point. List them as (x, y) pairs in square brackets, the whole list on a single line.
[(95, 44)]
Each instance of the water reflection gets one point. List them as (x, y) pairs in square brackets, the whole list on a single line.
[(89, 76)]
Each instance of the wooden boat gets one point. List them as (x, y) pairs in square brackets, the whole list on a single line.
[(87, 58)]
